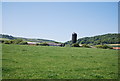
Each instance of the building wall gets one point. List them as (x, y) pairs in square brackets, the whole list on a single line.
[(116, 48)]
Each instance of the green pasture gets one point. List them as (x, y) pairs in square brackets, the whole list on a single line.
[(4, 39), (47, 62)]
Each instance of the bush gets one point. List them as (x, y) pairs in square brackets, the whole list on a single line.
[(85, 45), (7, 42), (15, 41), (75, 45), (103, 46), (23, 43), (12, 41), (1, 41)]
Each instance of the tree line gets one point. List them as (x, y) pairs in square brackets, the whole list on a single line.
[(96, 40), (100, 39), (7, 36)]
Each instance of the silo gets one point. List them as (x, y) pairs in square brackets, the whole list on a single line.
[(74, 37)]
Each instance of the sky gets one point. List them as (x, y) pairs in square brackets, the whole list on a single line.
[(59, 0), (58, 20)]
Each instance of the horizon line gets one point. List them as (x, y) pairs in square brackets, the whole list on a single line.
[(54, 39)]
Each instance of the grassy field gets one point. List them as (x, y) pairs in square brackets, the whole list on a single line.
[(45, 62)]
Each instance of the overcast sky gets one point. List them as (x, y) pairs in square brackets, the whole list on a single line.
[(58, 20)]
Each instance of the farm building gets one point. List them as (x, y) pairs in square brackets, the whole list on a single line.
[(54, 44), (31, 43), (115, 46), (118, 48), (74, 37)]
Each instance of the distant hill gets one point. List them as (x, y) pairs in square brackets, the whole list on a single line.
[(99, 39), (95, 40), (9, 37)]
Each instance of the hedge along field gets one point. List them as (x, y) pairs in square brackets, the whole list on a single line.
[(47, 62)]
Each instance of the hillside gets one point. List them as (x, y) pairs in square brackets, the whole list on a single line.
[(100, 39), (9, 37), (95, 40)]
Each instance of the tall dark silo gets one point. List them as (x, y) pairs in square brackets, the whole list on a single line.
[(74, 37)]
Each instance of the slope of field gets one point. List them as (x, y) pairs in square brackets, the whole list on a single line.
[(44, 62)]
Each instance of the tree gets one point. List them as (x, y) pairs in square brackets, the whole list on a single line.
[(103, 46), (1, 41), (23, 43), (7, 42)]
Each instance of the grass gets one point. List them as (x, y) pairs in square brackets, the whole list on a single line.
[(0, 61), (46, 62), (4, 39)]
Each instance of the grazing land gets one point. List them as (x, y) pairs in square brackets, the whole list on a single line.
[(47, 62)]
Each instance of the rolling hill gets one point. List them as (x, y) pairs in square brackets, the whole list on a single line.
[(99, 39), (9, 37), (110, 38)]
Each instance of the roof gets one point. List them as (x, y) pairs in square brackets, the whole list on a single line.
[(116, 48), (31, 42), (74, 33), (53, 44)]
